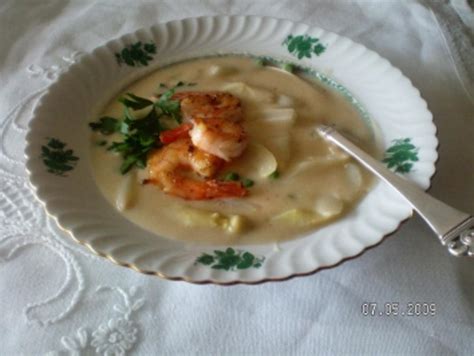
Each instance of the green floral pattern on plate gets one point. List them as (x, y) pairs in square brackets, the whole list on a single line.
[(137, 54), (230, 260), (304, 46), (57, 158), (401, 155)]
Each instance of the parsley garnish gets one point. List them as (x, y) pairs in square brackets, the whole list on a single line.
[(274, 175), (288, 67), (107, 125), (231, 176), (140, 136), (235, 177), (178, 84), (260, 61), (168, 106), (186, 84), (135, 102), (247, 183)]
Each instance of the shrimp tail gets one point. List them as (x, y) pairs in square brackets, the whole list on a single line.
[(210, 189), (218, 189), (205, 190), (172, 135)]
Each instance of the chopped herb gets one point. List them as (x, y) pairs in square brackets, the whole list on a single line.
[(135, 102), (235, 177), (102, 143), (106, 125), (231, 176), (288, 67), (140, 136), (247, 183), (178, 84), (260, 61), (169, 106), (274, 175), (187, 84)]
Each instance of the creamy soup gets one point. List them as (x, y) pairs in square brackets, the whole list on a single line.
[(296, 181)]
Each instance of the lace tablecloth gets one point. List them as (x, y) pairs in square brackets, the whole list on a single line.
[(56, 298)]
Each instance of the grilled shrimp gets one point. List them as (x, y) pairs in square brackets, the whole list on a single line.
[(168, 168), (216, 122), (222, 138), (212, 134), (209, 105)]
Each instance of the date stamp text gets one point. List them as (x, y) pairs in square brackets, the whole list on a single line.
[(398, 309)]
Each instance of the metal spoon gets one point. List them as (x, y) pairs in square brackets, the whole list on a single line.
[(454, 228)]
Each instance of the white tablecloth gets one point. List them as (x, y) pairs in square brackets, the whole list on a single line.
[(55, 297)]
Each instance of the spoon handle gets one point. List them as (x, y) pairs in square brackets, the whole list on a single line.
[(454, 228)]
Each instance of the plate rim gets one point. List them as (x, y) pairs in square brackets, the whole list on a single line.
[(234, 281)]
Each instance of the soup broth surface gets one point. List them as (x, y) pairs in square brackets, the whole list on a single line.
[(316, 183)]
